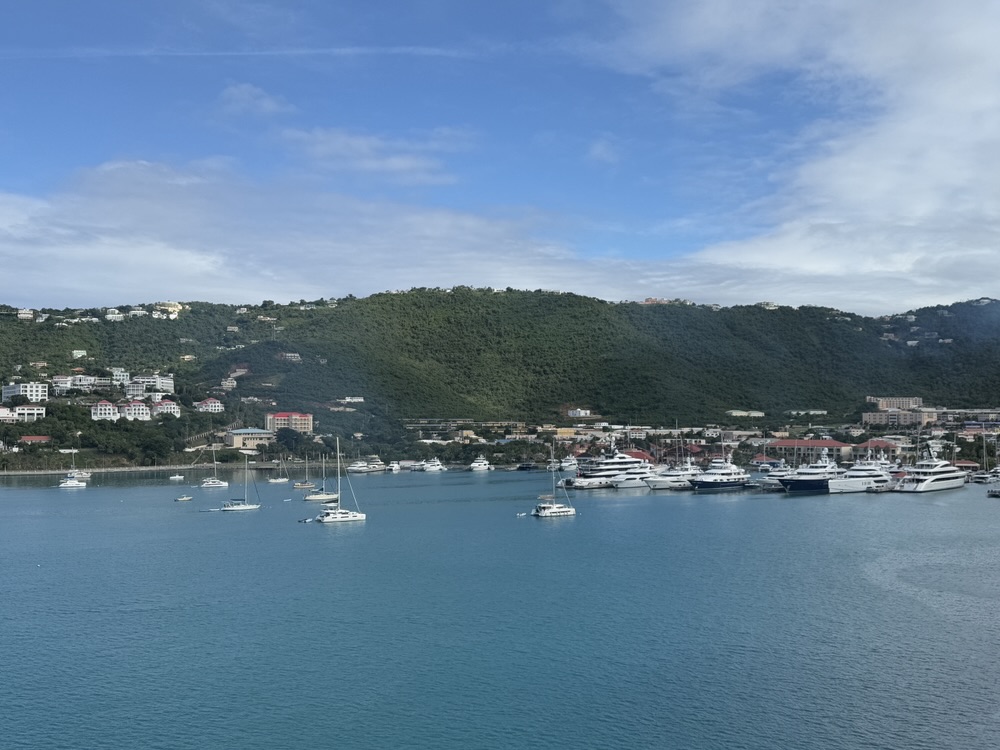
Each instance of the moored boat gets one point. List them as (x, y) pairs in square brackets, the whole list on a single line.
[(722, 474), (931, 474)]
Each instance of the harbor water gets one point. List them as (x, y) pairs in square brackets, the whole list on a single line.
[(448, 619)]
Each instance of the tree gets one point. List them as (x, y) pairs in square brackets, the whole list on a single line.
[(289, 438)]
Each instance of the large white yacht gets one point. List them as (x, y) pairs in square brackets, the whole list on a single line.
[(930, 474), (480, 464), (568, 464), (634, 477), (865, 474), (676, 478), (600, 472), (209, 483), (721, 474), (434, 464)]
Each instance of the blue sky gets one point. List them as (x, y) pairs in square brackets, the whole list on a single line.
[(839, 153)]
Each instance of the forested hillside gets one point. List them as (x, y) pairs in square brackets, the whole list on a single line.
[(484, 354)]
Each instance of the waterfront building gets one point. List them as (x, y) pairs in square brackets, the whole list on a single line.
[(249, 438)]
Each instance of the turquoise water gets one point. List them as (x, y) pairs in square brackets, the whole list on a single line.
[(662, 620)]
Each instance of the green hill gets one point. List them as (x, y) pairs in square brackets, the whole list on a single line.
[(484, 354)]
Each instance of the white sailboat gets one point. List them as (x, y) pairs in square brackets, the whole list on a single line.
[(322, 494), (213, 481), (332, 512), (282, 473), (244, 504), (304, 484), (75, 473), (547, 506)]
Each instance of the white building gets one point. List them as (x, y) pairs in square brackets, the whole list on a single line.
[(156, 382), (212, 405), (29, 412), (135, 410), (78, 353), (34, 392), (104, 410), (165, 407)]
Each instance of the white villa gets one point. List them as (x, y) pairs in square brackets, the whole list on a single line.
[(104, 410), (210, 404)]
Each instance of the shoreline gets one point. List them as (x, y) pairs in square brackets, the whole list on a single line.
[(111, 470)]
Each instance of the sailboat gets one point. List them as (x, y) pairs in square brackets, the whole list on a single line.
[(548, 507), (213, 481), (280, 479), (75, 473), (332, 512), (244, 504), (321, 494), (305, 484)]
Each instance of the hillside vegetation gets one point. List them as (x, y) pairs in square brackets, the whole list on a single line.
[(483, 355)]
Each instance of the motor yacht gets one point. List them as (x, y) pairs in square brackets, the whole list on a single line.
[(674, 478), (931, 474), (434, 464), (212, 483), (814, 477), (634, 477), (864, 475), (721, 474), (600, 472), (480, 464), (70, 483)]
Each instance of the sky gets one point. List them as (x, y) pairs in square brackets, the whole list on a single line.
[(841, 153)]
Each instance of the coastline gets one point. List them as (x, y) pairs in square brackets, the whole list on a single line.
[(109, 470)]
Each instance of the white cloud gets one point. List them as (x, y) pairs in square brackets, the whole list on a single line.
[(247, 99), (892, 197), (130, 232), (405, 161)]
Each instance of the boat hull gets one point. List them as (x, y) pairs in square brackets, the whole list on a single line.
[(811, 486), (929, 485)]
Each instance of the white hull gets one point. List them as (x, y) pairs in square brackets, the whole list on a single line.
[(553, 510), (932, 484), (339, 515), (844, 486), (238, 505), (668, 483), (323, 497)]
